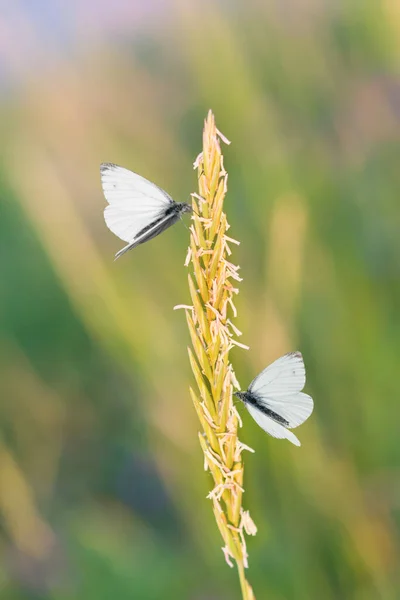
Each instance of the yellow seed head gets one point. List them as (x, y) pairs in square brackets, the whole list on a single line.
[(213, 335)]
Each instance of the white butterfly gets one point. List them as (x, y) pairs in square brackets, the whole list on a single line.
[(138, 210), (275, 400)]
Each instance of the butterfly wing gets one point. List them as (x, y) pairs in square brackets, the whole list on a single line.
[(134, 202), (270, 426), (279, 387)]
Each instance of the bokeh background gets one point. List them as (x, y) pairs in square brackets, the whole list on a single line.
[(102, 488)]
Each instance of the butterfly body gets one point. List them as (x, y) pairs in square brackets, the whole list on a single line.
[(249, 398), (167, 219), (138, 210), (275, 400)]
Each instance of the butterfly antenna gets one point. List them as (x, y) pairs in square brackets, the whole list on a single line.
[(183, 222)]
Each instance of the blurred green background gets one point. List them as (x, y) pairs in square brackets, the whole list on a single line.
[(102, 488)]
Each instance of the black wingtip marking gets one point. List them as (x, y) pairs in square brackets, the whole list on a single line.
[(107, 167), (296, 354)]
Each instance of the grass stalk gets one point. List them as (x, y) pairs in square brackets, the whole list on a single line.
[(212, 286)]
